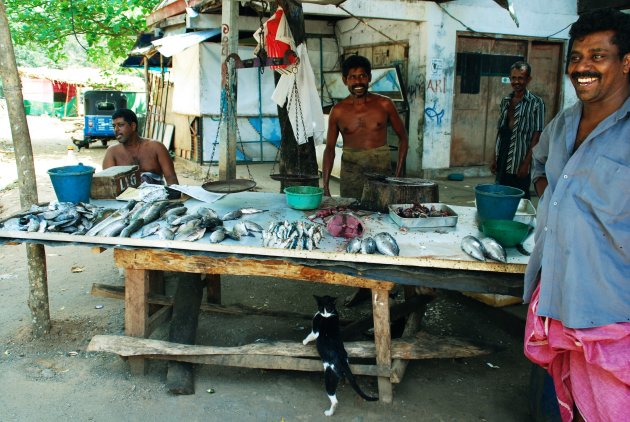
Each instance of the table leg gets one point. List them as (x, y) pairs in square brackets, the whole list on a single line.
[(382, 342), (137, 284), (213, 288)]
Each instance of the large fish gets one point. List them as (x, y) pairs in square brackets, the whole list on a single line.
[(473, 247), (386, 244), (132, 227), (493, 250), (368, 246), (354, 245)]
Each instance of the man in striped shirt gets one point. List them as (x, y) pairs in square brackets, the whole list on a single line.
[(521, 120)]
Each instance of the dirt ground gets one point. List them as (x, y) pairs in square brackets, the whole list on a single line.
[(54, 378)]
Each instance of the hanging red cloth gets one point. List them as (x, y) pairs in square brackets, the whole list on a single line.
[(278, 38)]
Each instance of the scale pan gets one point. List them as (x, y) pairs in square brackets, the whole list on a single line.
[(229, 186)]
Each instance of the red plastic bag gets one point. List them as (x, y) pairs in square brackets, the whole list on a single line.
[(346, 225)]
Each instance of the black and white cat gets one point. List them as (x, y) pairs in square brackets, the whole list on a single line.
[(331, 350)]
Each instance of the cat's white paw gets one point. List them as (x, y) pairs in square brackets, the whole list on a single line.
[(329, 412), (305, 341)]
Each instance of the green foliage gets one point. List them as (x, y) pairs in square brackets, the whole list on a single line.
[(107, 29)]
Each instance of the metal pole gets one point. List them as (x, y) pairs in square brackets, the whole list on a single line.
[(35, 254), (229, 45)]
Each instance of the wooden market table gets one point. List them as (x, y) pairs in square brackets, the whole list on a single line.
[(428, 258)]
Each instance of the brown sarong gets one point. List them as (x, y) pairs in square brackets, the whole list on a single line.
[(356, 162)]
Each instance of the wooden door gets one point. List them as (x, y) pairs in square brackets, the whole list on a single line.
[(476, 102)]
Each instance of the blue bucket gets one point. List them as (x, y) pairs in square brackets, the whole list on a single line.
[(497, 202), (72, 183)]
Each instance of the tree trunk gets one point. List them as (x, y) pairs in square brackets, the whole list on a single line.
[(35, 254)]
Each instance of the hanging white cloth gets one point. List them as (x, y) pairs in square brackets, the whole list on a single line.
[(299, 91)]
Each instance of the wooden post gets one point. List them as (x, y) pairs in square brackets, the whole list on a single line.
[(382, 342), (229, 45), (136, 311), (35, 254)]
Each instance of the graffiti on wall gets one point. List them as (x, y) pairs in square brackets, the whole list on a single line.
[(434, 113)]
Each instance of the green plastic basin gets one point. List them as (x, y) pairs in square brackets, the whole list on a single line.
[(304, 197), (507, 232)]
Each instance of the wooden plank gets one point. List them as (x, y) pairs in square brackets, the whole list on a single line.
[(136, 311), (382, 343), (421, 346), (159, 317), (170, 261), (118, 292), (399, 366)]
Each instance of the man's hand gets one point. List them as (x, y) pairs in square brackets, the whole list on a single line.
[(523, 170)]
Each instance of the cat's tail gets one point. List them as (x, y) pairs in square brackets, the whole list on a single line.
[(353, 382)]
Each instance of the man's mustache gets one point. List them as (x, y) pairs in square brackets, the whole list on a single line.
[(576, 75)]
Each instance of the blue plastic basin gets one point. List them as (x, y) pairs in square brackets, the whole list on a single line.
[(72, 183), (497, 202)]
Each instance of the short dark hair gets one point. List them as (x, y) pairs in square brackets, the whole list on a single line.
[(128, 115), (356, 61), (521, 65), (603, 20)]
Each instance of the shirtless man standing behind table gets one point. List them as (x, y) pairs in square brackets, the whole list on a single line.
[(362, 120)]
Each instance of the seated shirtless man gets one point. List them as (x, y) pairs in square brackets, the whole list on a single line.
[(156, 167), (152, 157)]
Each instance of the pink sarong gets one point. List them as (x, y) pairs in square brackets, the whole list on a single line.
[(590, 367)]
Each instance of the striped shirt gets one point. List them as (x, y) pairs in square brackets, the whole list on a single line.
[(529, 117)]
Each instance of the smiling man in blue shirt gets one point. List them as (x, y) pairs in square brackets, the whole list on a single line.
[(578, 277)]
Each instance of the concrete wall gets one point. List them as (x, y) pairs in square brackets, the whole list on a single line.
[(431, 31)]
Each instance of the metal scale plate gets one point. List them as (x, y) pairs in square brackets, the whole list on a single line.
[(229, 186)]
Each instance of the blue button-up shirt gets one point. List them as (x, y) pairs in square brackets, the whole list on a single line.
[(583, 221)]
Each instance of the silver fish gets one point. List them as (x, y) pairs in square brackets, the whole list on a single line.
[(191, 233), (252, 227), (386, 244), (473, 247), (184, 219), (165, 234), (217, 236), (232, 215), (178, 211), (251, 211), (153, 212), (207, 212), (368, 246), (354, 245), (188, 225), (150, 229), (241, 229), (114, 229), (494, 250), (132, 227), (118, 215)]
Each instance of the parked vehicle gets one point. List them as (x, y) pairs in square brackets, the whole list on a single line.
[(99, 107)]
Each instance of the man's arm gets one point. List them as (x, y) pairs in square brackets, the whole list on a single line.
[(110, 159), (403, 140), (166, 164), (539, 123), (523, 169), (539, 158), (329, 151)]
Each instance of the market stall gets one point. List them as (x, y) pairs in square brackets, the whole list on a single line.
[(428, 257)]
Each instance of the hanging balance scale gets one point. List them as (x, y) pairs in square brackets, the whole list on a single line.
[(228, 185)]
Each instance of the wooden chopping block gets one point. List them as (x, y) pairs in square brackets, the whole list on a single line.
[(380, 191), (111, 182)]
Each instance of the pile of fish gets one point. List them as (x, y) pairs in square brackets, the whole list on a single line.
[(62, 217), (420, 211), (484, 248), (382, 242), (295, 235)]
